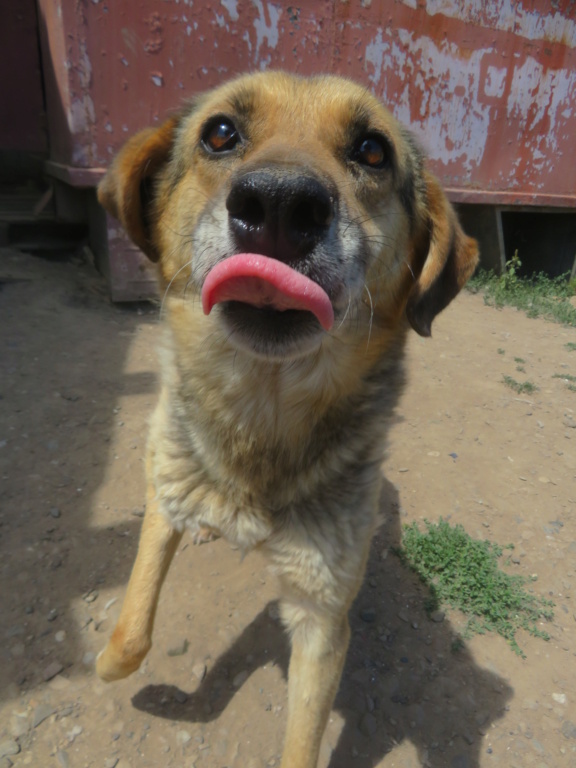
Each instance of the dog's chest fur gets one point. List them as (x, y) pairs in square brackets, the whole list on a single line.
[(240, 444)]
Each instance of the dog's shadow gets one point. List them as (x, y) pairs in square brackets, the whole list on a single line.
[(406, 676)]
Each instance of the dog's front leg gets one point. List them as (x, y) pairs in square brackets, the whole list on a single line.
[(319, 644), (132, 637)]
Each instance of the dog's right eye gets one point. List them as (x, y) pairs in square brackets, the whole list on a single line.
[(220, 135)]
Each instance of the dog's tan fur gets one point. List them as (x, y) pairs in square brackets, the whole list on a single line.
[(280, 452)]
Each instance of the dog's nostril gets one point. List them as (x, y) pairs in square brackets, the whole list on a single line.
[(247, 209), (309, 215), (252, 212)]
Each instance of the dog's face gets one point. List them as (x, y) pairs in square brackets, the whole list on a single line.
[(298, 210)]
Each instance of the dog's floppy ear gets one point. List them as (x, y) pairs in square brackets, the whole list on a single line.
[(447, 260), (127, 188)]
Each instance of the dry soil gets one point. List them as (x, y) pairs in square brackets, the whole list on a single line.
[(78, 379)]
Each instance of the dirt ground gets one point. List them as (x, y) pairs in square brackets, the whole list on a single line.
[(77, 383)]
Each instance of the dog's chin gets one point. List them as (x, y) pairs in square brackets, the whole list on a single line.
[(271, 334)]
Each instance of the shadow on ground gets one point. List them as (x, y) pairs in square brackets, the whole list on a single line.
[(403, 679)]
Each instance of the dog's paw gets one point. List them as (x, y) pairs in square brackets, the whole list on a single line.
[(112, 665), (204, 534)]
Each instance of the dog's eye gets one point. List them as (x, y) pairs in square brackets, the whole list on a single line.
[(220, 135), (372, 151)]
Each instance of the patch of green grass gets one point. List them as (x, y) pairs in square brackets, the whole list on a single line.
[(463, 572), (537, 295), (519, 360), (521, 369), (521, 387), (501, 351), (571, 345)]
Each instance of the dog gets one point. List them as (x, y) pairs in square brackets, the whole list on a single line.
[(298, 235)]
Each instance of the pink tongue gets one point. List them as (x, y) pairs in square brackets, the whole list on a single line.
[(264, 282)]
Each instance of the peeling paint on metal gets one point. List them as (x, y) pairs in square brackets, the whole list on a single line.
[(232, 8), (266, 29), (509, 16), (489, 86)]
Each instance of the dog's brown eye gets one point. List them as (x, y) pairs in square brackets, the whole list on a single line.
[(372, 151), (220, 135)]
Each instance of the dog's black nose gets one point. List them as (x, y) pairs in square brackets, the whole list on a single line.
[(279, 213)]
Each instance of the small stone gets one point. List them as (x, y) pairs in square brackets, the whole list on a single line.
[(180, 697), (404, 616), (368, 615), (41, 713), (62, 758), (75, 731), (88, 658), (18, 725), (559, 698), (16, 630), (240, 678), (199, 671), (52, 615), (368, 724), (183, 737), (530, 704), (9, 747), (438, 616), (55, 512), (60, 636), (52, 670), (178, 650), (568, 729), (91, 596), (111, 762), (544, 479)]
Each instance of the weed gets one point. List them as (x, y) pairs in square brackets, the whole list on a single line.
[(571, 345), (521, 387), (463, 572), (568, 379), (537, 295), (501, 351), (521, 368), (519, 360)]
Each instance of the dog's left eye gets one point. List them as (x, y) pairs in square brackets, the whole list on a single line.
[(220, 135), (372, 151)]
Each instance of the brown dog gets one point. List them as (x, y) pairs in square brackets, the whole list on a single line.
[(296, 230)]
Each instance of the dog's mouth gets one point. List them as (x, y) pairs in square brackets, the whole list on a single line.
[(265, 283), (267, 304)]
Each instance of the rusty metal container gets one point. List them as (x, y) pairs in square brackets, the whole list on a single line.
[(488, 87)]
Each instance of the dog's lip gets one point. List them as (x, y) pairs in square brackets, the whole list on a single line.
[(264, 282)]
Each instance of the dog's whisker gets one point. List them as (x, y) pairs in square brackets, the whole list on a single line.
[(371, 316), (183, 267)]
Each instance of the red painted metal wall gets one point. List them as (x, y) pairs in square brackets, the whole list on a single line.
[(488, 86)]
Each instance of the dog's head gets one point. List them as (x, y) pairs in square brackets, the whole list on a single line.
[(297, 209)]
